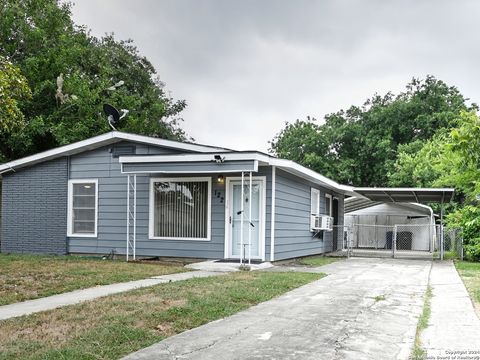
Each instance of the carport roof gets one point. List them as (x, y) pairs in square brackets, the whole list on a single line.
[(416, 195)]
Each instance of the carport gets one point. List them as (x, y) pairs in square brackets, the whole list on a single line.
[(395, 221)]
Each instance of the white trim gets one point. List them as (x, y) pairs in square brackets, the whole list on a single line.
[(329, 211), (311, 175), (102, 140), (179, 179), (314, 194), (287, 165), (263, 214), (216, 171), (272, 214), (193, 158), (70, 232), (189, 172)]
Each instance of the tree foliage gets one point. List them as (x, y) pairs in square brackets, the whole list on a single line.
[(359, 146), (468, 219), (450, 159), (72, 74), (13, 90)]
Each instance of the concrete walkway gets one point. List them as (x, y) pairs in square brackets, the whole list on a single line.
[(365, 309), (453, 324), (78, 296), (215, 265)]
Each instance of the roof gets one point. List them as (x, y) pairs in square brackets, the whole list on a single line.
[(358, 203), (260, 158), (359, 206), (102, 140), (407, 195), (198, 153)]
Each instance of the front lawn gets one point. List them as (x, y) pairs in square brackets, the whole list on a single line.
[(25, 277), (470, 273), (114, 326)]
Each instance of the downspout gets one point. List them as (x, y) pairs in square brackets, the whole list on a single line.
[(67, 238)]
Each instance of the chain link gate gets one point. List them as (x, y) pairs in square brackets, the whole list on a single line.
[(396, 241), (453, 243)]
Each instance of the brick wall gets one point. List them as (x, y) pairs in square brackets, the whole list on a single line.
[(34, 209)]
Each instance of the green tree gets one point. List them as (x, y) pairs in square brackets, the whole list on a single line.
[(359, 146), (72, 74), (13, 90), (419, 163), (449, 159)]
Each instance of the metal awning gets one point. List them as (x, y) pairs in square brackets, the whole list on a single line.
[(358, 203), (414, 195), (226, 162)]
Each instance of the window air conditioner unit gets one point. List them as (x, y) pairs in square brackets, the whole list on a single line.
[(322, 222)]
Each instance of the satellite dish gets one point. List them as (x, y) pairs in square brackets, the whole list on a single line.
[(113, 115)]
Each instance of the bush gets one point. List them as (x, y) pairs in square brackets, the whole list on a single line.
[(468, 219), (472, 250)]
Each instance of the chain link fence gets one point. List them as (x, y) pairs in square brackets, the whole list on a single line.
[(453, 243), (402, 240)]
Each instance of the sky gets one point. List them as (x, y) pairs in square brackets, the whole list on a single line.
[(247, 67)]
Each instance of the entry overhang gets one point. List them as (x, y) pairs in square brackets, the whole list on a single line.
[(187, 164), (414, 195)]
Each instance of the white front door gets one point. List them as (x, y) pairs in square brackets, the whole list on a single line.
[(253, 242)]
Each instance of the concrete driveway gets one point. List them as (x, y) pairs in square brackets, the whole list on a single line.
[(364, 309)]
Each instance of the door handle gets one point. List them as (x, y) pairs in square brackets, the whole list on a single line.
[(230, 219)]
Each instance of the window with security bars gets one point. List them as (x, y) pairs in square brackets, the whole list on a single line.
[(181, 208)]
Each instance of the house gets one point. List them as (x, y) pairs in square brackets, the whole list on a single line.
[(145, 196)]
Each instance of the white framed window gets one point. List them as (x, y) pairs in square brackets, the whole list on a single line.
[(82, 213), (315, 202), (328, 204), (180, 208), (314, 205)]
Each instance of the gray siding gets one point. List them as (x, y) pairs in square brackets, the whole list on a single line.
[(34, 209), (100, 164), (293, 237), (206, 166)]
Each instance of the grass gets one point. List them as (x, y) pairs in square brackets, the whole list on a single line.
[(380, 298), (450, 255), (25, 277), (114, 326), (418, 353), (313, 261), (470, 274)]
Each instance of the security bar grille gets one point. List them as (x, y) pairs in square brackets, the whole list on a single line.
[(181, 209)]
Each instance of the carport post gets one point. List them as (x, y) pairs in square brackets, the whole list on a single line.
[(250, 220), (441, 231), (394, 240), (242, 250)]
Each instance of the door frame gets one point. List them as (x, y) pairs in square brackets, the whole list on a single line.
[(263, 215), (335, 215)]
